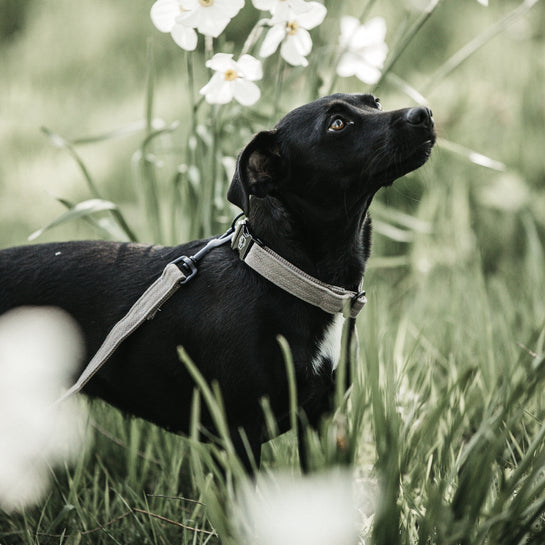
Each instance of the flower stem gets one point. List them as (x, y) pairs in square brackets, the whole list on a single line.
[(191, 86), (278, 86), (254, 35), (208, 47)]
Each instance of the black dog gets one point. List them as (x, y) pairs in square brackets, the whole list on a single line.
[(305, 187)]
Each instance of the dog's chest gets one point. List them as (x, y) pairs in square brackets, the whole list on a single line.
[(329, 346)]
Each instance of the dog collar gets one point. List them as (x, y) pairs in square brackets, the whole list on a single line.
[(285, 275)]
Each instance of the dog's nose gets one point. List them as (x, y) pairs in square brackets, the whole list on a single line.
[(420, 116)]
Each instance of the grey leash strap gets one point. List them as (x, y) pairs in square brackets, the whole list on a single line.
[(144, 309)]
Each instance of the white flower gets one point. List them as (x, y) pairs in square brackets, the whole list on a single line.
[(209, 17), (284, 510), (233, 79), (483, 2), (281, 8), (290, 28), (182, 17), (364, 49), (165, 15), (38, 349)]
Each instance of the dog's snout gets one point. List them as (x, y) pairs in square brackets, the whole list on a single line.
[(420, 116)]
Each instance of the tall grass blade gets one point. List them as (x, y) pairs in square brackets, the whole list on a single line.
[(472, 156), (474, 45), (406, 40), (61, 142), (80, 210), (292, 384)]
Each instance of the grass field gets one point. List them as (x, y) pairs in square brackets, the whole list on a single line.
[(444, 431)]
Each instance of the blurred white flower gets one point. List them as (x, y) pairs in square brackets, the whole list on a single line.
[(281, 8), (290, 28), (314, 510), (483, 2), (233, 79), (181, 17), (39, 348), (364, 49)]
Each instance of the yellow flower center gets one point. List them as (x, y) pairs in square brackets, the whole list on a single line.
[(206, 3), (230, 75), (293, 27)]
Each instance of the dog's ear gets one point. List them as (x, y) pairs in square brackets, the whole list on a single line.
[(258, 171)]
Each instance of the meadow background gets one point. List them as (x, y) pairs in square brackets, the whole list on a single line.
[(443, 434)]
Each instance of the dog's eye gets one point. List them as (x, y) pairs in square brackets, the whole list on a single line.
[(338, 124), (377, 102)]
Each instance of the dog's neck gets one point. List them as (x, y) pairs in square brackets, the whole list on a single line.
[(332, 251)]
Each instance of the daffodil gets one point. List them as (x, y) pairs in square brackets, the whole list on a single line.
[(182, 17), (364, 49), (209, 17), (290, 29), (281, 8), (233, 79), (165, 15)]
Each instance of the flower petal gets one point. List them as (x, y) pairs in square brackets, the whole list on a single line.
[(272, 40), (299, 6), (301, 41), (163, 14), (313, 16), (189, 5), (349, 26), (376, 54), (184, 36), (218, 90), (346, 66), (376, 27), (265, 5), (290, 52), (221, 62), (367, 73), (229, 7), (204, 21), (250, 67), (245, 92)]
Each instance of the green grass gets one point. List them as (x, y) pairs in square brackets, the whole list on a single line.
[(446, 414)]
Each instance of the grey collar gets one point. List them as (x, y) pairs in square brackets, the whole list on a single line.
[(273, 267)]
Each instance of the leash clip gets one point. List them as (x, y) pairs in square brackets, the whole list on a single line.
[(188, 267)]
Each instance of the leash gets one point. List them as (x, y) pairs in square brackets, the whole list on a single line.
[(177, 273), (332, 299)]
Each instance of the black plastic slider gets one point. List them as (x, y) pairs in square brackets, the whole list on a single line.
[(242, 240)]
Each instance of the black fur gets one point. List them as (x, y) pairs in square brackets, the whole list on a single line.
[(306, 190)]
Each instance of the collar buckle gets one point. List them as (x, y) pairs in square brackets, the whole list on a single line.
[(242, 239)]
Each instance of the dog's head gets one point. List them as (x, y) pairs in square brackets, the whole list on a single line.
[(333, 154)]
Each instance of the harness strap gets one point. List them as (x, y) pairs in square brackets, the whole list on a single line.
[(282, 273)]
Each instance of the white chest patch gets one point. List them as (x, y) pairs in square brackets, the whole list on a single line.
[(329, 347)]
